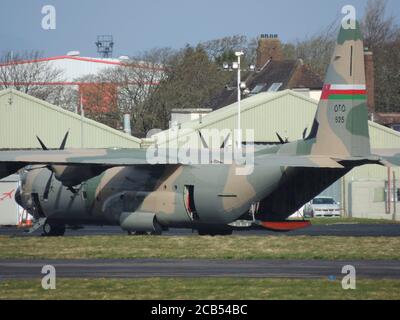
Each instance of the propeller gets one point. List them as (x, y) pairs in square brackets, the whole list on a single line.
[(281, 139), (44, 147), (205, 145), (64, 141), (203, 141), (62, 146), (304, 133), (225, 141), (42, 144)]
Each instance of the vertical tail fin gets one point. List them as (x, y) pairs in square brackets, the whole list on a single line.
[(341, 122)]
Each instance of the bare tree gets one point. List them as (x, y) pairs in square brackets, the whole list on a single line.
[(223, 49), (382, 37), (116, 91), (26, 72), (137, 80), (315, 50), (216, 48), (378, 28)]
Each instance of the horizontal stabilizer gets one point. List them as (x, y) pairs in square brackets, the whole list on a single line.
[(388, 157)]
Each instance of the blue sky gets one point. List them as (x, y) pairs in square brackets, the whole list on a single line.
[(142, 25)]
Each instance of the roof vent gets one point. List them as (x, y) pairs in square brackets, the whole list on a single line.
[(73, 53)]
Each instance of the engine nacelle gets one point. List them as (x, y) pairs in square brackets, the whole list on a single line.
[(73, 175), (139, 221)]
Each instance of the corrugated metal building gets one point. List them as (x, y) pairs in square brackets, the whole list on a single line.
[(23, 117), (265, 112), (363, 192)]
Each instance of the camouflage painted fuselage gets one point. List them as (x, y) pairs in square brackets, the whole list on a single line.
[(220, 196)]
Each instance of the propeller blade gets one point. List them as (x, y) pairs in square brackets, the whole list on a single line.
[(42, 144), (64, 142), (280, 138), (47, 188), (205, 145), (304, 133), (225, 141)]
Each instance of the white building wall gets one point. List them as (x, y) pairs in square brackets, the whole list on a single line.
[(9, 210)]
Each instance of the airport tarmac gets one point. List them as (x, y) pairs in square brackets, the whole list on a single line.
[(339, 229), (139, 268)]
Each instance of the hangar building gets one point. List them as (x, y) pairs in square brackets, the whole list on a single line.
[(24, 117), (362, 193)]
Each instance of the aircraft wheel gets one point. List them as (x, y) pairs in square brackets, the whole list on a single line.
[(214, 233), (156, 233), (53, 230), (157, 229), (137, 233)]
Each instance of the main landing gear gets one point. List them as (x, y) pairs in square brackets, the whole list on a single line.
[(214, 232), (53, 230)]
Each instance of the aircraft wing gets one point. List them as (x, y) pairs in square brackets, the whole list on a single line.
[(129, 157), (119, 157), (73, 166), (86, 163)]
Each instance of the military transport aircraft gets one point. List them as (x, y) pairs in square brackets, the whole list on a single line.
[(120, 187)]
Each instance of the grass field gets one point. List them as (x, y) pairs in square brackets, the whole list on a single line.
[(195, 288), (232, 247)]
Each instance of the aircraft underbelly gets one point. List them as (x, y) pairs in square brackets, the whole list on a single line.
[(296, 187), (222, 195)]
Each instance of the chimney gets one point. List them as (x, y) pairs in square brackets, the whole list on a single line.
[(269, 47), (370, 82)]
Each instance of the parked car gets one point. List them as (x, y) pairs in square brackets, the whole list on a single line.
[(322, 207)]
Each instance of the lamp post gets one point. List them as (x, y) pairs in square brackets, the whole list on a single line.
[(238, 54), (240, 86)]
